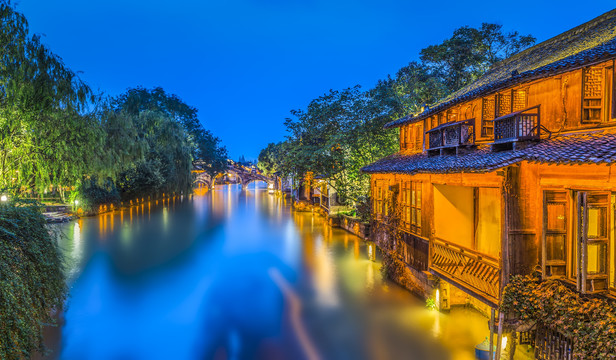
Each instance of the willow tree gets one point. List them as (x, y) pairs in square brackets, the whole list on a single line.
[(167, 161), (204, 145), (46, 137)]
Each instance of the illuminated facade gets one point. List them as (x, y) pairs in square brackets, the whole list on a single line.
[(513, 173)]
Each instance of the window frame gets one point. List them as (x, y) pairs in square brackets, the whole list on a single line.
[(411, 206)]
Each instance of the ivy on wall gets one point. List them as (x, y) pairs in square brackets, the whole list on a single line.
[(589, 321)]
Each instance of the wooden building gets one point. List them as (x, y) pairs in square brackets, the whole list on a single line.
[(515, 172)]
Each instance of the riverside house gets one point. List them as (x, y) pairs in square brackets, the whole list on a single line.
[(512, 174)]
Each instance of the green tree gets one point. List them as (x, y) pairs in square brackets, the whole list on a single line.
[(470, 52), (46, 135), (204, 145)]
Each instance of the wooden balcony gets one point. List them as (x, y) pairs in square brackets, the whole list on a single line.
[(451, 135), (518, 126), (468, 268)]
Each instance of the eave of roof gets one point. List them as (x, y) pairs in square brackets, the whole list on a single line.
[(580, 148)]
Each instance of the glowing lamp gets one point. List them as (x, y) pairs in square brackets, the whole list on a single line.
[(76, 202), (4, 198)]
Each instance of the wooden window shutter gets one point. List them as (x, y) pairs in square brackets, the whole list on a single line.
[(582, 240), (554, 237), (593, 241)]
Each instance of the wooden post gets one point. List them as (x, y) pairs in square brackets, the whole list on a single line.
[(512, 345), (499, 339), (492, 333)]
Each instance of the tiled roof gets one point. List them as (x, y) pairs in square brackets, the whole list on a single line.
[(589, 43), (587, 148)]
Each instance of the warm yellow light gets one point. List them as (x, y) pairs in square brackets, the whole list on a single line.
[(504, 342), (437, 298), (4, 198)]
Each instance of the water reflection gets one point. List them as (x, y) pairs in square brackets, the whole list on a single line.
[(191, 278)]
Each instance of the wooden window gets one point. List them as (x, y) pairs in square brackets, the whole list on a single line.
[(488, 111), (593, 89), (610, 108), (520, 100), (411, 206), (592, 241), (410, 138), (419, 136), (402, 138), (554, 255), (377, 198), (504, 104)]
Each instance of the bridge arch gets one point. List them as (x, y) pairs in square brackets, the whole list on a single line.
[(243, 174)]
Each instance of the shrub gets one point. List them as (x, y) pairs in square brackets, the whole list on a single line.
[(92, 195), (590, 322), (32, 283)]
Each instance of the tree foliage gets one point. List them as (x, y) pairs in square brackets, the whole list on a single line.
[(32, 282), (342, 131), (56, 135), (203, 144), (45, 137)]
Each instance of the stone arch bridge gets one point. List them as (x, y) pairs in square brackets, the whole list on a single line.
[(244, 175)]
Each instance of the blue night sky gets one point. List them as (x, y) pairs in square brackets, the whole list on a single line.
[(246, 63)]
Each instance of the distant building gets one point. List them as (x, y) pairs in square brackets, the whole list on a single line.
[(513, 173)]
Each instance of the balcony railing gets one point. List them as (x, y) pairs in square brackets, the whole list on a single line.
[(325, 202), (451, 135), (518, 126), (414, 251), (468, 267)]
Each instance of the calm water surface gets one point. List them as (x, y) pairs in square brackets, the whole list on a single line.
[(235, 274)]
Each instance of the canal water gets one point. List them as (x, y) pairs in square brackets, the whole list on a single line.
[(236, 274)]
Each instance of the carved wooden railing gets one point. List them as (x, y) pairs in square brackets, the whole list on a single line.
[(452, 135), (477, 271), (518, 126), (550, 344), (417, 251)]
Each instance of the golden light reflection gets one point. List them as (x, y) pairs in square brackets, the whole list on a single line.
[(76, 254), (165, 218), (325, 277), (101, 227)]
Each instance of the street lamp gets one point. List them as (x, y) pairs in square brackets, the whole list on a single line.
[(4, 198)]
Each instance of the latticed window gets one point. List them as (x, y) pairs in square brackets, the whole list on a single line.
[(379, 206), (592, 94), (488, 111), (597, 94), (411, 206)]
